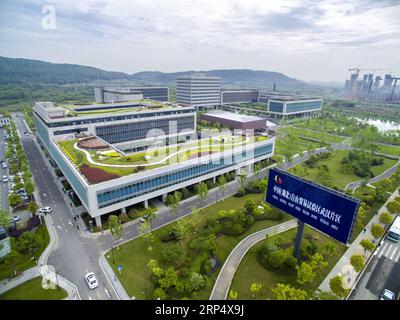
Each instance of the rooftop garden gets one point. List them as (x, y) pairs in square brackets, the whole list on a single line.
[(99, 166), (145, 105)]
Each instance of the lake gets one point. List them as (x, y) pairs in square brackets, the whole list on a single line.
[(381, 125)]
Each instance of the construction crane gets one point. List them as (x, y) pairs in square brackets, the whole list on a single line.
[(394, 88)]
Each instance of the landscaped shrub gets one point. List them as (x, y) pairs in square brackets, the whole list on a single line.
[(272, 257), (123, 217), (174, 255), (241, 192), (185, 193), (133, 213), (168, 236), (205, 267), (234, 222), (32, 223)]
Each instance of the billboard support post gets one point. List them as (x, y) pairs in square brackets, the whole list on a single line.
[(299, 237)]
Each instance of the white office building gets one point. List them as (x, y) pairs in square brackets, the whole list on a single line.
[(198, 90)]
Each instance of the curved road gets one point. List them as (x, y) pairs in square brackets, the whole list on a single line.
[(228, 270)]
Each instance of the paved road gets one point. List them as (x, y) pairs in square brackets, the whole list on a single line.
[(228, 270), (384, 175), (74, 255), (4, 186), (381, 273)]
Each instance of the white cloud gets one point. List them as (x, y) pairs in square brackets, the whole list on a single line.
[(311, 40)]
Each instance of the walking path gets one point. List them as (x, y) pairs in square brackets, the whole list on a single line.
[(228, 270), (386, 174), (343, 266), (89, 156)]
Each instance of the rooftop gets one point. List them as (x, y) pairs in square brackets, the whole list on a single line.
[(233, 116), (107, 163), (287, 97), (97, 108)]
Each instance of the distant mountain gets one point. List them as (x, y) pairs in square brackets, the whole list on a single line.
[(16, 70), (239, 77)]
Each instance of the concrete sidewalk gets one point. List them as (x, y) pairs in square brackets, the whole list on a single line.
[(228, 270), (343, 266)]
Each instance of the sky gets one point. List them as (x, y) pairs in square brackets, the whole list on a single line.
[(306, 39)]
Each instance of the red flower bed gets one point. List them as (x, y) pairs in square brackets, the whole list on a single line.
[(96, 175)]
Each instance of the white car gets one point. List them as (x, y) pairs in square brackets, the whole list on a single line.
[(387, 295), (4, 179), (91, 280), (45, 210)]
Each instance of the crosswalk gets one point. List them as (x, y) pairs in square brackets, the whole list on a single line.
[(389, 250)]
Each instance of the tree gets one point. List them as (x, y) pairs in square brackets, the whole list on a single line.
[(169, 280), (377, 231), (159, 294), (233, 295), (14, 200), (318, 262), (25, 242), (196, 282), (386, 218), (337, 286), (393, 207), (287, 292), (150, 214), (357, 261), (202, 190), (367, 245), (115, 229), (181, 230), (257, 169), (242, 180), (305, 273), (222, 185), (4, 218), (147, 236), (29, 186), (329, 249), (155, 268), (173, 201), (32, 207), (255, 287)]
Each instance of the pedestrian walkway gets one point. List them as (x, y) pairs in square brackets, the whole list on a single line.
[(228, 270), (389, 251), (343, 266)]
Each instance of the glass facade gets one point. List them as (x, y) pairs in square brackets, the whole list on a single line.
[(139, 188), (98, 119), (140, 130), (276, 106), (42, 132), (303, 106), (72, 179)]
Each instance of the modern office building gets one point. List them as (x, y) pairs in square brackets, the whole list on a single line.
[(114, 155), (198, 90), (284, 106), (235, 120), (229, 96), (116, 94)]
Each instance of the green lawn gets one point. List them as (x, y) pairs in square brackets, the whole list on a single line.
[(339, 178), (325, 137), (33, 290), (26, 261), (134, 256), (285, 147), (394, 150), (251, 271), (79, 158)]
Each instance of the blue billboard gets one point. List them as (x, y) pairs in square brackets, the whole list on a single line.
[(325, 209)]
